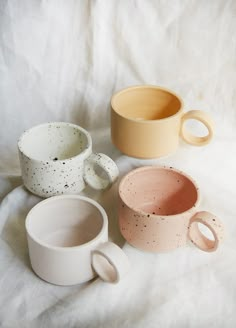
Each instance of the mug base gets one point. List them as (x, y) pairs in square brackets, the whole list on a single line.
[(148, 249), (150, 157), (51, 194), (64, 284)]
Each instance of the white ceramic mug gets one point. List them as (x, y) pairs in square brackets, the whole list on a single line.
[(56, 158), (68, 242)]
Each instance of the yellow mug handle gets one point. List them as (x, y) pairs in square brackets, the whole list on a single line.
[(205, 119)]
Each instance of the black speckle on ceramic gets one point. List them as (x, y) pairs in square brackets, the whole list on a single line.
[(68, 146), (148, 215)]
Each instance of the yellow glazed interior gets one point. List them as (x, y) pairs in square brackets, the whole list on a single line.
[(146, 103)]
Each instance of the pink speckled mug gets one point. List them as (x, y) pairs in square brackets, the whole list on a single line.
[(158, 211)]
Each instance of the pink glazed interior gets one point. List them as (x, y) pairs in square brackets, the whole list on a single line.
[(157, 190)]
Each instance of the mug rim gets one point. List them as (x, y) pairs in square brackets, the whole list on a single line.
[(146, 86), (70, 248), (165, 167), (86, 150)]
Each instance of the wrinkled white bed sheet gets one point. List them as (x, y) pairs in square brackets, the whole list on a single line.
[(61, 61)]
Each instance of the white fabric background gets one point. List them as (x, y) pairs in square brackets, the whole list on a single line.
[(62, 61)]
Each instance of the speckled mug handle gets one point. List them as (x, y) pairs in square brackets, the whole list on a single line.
[(202, 117), (213, 224), (106, 164)]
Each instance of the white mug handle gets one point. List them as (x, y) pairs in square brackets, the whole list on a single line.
[(110, 262), (106, 164)]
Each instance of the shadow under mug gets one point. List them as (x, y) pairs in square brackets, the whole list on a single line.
[(56, 158), (158, 211), (146, 122), (68, 242)]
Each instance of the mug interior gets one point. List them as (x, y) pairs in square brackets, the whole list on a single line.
[(146, 103), (64, 222), (159, 191), (54, 141)]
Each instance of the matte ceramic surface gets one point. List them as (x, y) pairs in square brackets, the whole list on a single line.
[(63, 232), (57, 158), (158, 211), (146, 122)]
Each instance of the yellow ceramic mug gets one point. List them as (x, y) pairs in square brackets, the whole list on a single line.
[(146, 122)]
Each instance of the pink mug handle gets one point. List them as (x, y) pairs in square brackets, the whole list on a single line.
[(213, 224)]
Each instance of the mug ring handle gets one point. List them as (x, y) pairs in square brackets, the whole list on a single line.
[(110, 262), (202, 117), (198, 238), (106, 164)]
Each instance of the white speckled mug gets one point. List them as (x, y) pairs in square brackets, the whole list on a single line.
[(158, 211), (56, 158)]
